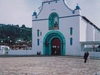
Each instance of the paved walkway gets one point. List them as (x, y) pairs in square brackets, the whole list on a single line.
[(56, 65)]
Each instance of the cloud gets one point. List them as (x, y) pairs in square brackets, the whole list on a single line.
[(15, 12), (20, 11)]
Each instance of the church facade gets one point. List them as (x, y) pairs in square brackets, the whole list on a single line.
[(59, 30)]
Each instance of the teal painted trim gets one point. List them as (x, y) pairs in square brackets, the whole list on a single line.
[(77, 7), (51, 19), (59, 17), (71, 30), (49, 36)]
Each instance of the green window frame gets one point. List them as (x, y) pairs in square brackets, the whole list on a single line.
[(38, 32), (71, 31), (38, 42), (53, 21)]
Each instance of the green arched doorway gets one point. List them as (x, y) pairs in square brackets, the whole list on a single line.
[(54, 43)]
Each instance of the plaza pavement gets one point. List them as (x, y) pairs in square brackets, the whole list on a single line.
[(53, 65)]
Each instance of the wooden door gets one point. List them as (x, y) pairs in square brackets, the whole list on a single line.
[(55, 46)]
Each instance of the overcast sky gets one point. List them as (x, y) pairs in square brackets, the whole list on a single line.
[(20, 11)]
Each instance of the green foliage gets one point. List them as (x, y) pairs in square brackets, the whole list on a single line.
[(14, 32)]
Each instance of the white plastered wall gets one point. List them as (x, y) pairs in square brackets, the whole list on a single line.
[(64, 26)]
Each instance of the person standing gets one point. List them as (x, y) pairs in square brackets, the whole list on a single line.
[(85, 57)]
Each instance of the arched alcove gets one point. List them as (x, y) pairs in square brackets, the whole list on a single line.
[(53, 21)]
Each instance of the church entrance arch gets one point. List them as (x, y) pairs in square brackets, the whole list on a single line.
[(54, 43)]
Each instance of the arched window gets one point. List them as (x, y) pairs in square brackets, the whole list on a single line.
[(53, 21)]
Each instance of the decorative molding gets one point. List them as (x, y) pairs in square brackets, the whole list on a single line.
[(59, 17)]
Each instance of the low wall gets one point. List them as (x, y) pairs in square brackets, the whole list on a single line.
[(18, 52), (30, 52)]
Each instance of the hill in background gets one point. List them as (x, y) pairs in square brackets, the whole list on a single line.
[(12, 34)]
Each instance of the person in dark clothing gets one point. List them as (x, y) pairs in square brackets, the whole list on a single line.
[(85, 57)]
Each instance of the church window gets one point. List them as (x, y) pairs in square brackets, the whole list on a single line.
[(38, 32), (71, 30), (38, 42), (71, 41), (53, 21)]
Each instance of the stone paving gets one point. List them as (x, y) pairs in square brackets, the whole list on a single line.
[(55, 65)]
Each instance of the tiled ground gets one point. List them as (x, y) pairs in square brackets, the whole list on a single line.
[(56, 65)]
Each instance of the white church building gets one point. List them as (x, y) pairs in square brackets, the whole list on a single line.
[(59, 30)]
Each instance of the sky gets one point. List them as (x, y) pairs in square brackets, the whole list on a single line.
[(19, 12)]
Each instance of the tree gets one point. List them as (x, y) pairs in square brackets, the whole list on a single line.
[(14, 32), (23, 26)]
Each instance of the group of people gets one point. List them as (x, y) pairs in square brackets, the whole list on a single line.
[(86, 57)]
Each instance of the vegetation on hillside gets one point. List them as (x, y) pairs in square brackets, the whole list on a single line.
[(13, 33)]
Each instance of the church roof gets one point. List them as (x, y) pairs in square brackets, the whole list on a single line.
[(90, 22)]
